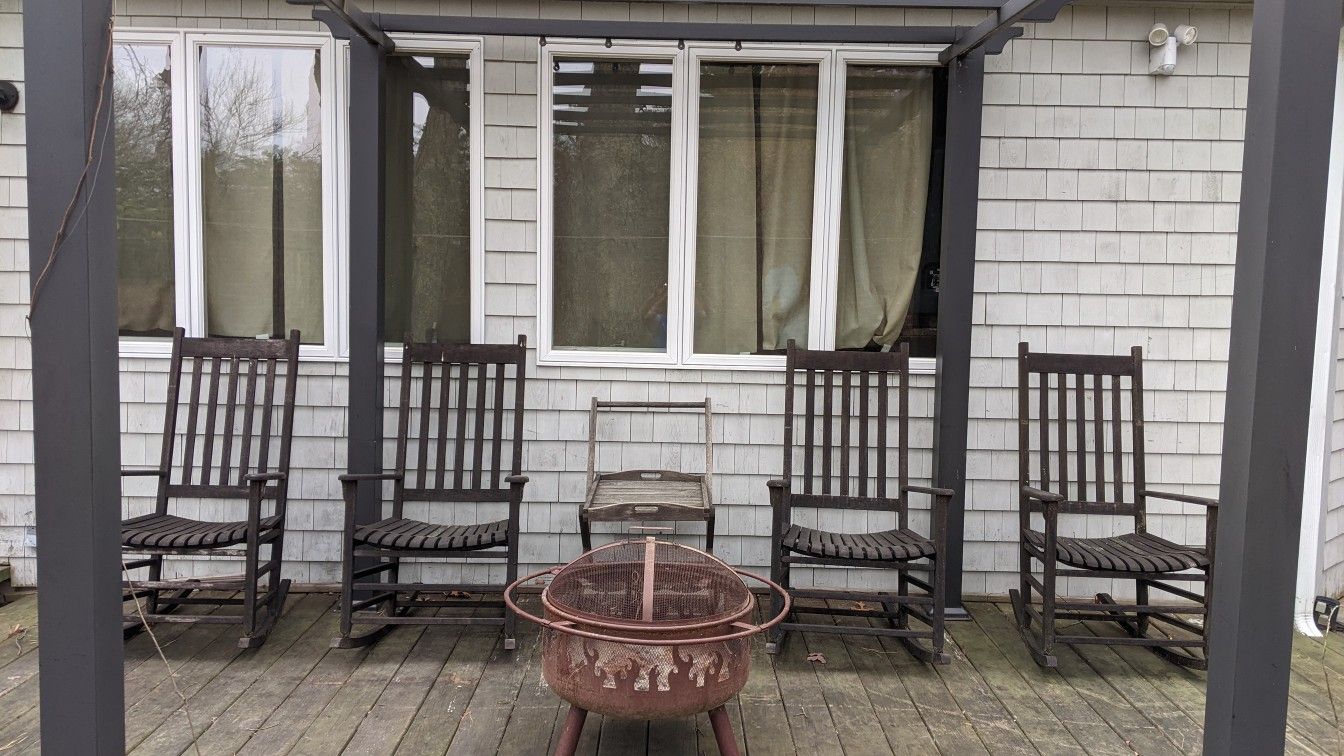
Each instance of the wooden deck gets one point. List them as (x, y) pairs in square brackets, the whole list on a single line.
[(441, 690)]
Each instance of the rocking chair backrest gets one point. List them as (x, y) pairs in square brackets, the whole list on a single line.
[(838, 407), (1079, 416), (460, 425), (223, 394)]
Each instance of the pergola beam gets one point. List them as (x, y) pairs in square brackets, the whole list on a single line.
[(665, 30), (1279, 236), (989, 31), (76, 440), (355, 21)]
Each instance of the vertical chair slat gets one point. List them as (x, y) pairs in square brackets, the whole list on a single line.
[(827, 420), (249, 410), (498, 423), (844, 432), (193, 406), (426, 398), (211, 409), (403, 430), (1063, 437), (226, 452), (882, 415), (1118, 446), (1043, 429), (1099, 434), (809, 430), (460, 443), (863, 433), (1080, 421), (478, 444), (903, 435), (441, 444), (267, 409)]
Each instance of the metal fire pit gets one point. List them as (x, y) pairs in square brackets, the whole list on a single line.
[(646, 629)]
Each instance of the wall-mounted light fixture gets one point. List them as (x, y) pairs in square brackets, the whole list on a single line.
[(1162, 59), (9, 96)]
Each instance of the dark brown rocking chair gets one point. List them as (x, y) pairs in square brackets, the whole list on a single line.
[(234, 450), (1078, 434), (450, 449), (846, 398)]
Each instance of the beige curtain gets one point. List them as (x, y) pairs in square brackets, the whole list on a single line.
[(757, 157), (261, 167), (887, 142)]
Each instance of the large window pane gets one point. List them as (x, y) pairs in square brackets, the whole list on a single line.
[(143, 118), (884, 192), (428, 260), (753, 247), (612, 124), (261, 190)]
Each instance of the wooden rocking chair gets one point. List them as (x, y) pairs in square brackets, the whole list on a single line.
[(250, 462), (1070, 391), (847, 399), (461, 409)]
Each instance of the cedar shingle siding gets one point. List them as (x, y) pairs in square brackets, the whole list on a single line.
[(1108, 210)]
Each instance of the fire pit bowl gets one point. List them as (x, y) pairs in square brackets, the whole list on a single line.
[(646, 629)]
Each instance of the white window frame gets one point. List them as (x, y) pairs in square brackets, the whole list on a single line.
[(547, 353), (833, 62), (474, 49), (189, 250)]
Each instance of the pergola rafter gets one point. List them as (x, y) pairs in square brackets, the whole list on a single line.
[(1279, 247)]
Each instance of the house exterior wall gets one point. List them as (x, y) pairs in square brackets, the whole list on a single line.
[(1108, 210)]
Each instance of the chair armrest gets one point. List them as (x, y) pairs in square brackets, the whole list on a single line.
[(1185, 498), (1048, 497), (944, 492), (263, 477), (517, 480), (133, 472), (777, 483), (357, 477)]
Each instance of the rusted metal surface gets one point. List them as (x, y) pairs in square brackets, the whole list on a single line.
[(627, 680), (645, 629)]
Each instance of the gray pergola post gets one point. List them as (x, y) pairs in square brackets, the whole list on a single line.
[(961, 181), (368, 70), (75, 385), (1288, 126)]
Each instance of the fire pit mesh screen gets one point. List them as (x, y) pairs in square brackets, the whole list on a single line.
[(649, 582)]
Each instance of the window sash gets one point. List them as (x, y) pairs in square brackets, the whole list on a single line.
[(473, 48), (680, 351), (189, 262)]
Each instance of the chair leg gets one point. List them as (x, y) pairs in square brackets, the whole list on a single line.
[(155, 574), (585, 531), (1141, 598), (511, 619), (779, 572), (251, 558), (1024, 573), (709, 532), (1038, 645)]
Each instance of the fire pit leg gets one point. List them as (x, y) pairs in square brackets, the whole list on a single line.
[(569, 737), (723, 731)]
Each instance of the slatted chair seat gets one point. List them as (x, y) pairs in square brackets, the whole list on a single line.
[(1131, 552), (402, 533), (163, 531), (886, 546)]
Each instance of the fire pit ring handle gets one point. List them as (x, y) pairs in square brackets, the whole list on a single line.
[(743, 629)]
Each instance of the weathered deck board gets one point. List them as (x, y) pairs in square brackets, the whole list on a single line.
[(445, 689)]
